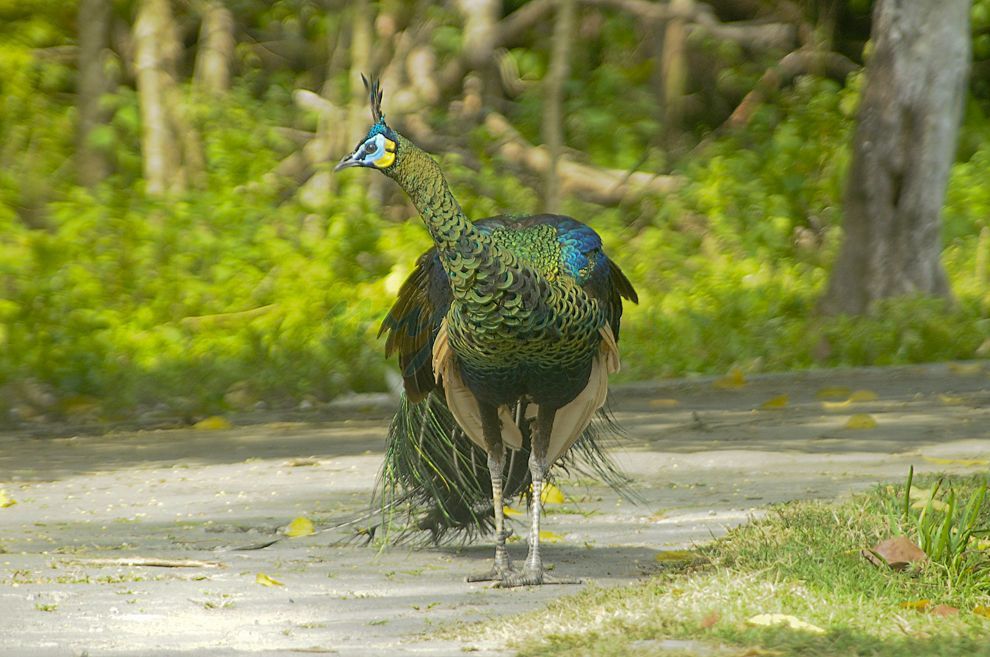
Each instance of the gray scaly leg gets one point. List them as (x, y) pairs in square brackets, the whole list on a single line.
[(533, 573), (496, 457)]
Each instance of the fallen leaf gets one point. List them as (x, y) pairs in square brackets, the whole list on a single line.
[(952, 400), (6, 500), (966, 369), (301, 526), (982, 611), (896, 553), (862, 396), (834, 406), (510, 512), (265, 580), (672, 556), (769, 620), (861, 421), (551, 494), (734, 379), (917, 605), (944, 611), (709, 620), (964, 462), (213, 423), (550, 537), (775, 403), (833, 392), (664, 403)]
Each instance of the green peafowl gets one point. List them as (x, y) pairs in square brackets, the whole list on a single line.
[(506, 332)]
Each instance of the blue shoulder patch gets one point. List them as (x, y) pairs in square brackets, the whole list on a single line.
[(580, 250)]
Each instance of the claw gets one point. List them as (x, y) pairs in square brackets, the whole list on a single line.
[(532, 578)]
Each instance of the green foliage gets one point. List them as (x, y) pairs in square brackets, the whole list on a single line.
[(247, 285)]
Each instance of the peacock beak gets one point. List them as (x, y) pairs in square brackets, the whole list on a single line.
[(348, 162)]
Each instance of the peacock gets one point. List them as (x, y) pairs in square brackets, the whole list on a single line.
[(505, 332)]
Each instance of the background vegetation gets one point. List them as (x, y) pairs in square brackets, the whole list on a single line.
[(253, 284)]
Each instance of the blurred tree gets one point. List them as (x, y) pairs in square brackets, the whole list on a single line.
[(480, 36), (553, 119), (904, 144), (674, 69), (94, 38), (170, 148), (216, 48), (156, 48)]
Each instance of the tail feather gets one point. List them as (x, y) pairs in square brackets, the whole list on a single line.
[(435, 485)]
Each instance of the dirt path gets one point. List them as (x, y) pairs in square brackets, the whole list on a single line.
[(703, 458)]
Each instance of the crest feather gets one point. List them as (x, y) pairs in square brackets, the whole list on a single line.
[(374, 89)]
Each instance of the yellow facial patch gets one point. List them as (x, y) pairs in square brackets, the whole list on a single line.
[(388, 157)]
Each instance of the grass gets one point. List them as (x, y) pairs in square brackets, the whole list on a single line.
[(802, 560)]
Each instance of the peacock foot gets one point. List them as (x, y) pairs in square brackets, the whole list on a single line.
[(502, 567), (532, 577), (496, 574)]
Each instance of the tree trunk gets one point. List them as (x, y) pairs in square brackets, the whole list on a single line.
[(673, 66), (553, 115), (480, 36), (94, 38), (216, 48), (154, 42), (904, 144)]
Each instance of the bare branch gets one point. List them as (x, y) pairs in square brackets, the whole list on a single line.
[(603, 186)]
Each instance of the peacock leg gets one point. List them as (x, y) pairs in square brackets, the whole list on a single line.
[(533, 573), (496, 459)]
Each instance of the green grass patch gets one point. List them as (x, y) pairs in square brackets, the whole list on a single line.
[(803, 559)]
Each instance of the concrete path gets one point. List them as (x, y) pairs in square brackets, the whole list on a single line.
[(704, 456)]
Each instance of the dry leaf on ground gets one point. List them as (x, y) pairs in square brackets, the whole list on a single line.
[(265, 580), (861, 421), (896, 553), (862, 396), (301, 526), (734, 379), (213, 423), (775, 403), (793, 622), (944, 611), (6, 500), (551, 494), (917, 605), (833, 393), (710, 620), (982, 611)]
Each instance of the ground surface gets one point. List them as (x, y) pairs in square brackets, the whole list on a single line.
[(704, 457)]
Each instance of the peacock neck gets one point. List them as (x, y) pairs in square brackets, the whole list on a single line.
[(464, 250)]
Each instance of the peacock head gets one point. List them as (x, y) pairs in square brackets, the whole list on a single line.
[(379, 148)]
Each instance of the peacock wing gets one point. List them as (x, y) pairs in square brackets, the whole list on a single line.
[(413, 322)]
